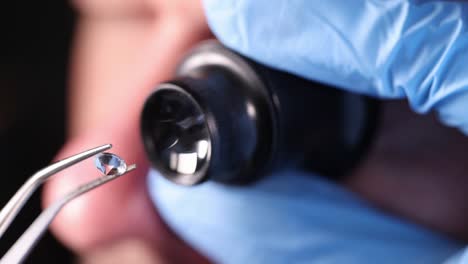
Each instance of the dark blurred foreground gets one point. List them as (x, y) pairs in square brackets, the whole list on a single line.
[(34, 50)]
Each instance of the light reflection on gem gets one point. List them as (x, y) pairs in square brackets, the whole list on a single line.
[(109, 163)]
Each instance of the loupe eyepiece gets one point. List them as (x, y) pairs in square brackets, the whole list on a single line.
[(176, 134), (228, 119)]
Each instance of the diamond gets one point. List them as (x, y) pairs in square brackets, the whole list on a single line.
[(109, 164)]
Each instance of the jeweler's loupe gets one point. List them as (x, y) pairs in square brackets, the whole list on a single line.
[(226, 118)]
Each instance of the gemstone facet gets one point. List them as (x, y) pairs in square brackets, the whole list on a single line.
[(109, 163)]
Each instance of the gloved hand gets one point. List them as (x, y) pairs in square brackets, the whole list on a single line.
[(292, 217), (392, 49)]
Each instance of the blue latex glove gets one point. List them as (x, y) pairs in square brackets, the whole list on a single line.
[(385, 48), (291, 217)]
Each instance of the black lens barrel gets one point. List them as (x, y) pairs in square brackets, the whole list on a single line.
[(231, 120)]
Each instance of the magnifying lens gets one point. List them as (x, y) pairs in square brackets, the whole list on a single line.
[(229, 119)]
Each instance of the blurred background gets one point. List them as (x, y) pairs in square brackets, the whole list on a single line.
[(34, 50)]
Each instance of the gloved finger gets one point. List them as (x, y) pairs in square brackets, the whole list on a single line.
[(391, 49), (291, 217)]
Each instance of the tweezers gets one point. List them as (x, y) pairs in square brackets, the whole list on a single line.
[(23, 246)]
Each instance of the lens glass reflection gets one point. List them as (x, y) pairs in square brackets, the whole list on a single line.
[(180, 135)]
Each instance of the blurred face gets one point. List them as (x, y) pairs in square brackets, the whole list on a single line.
[(124, 47)]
